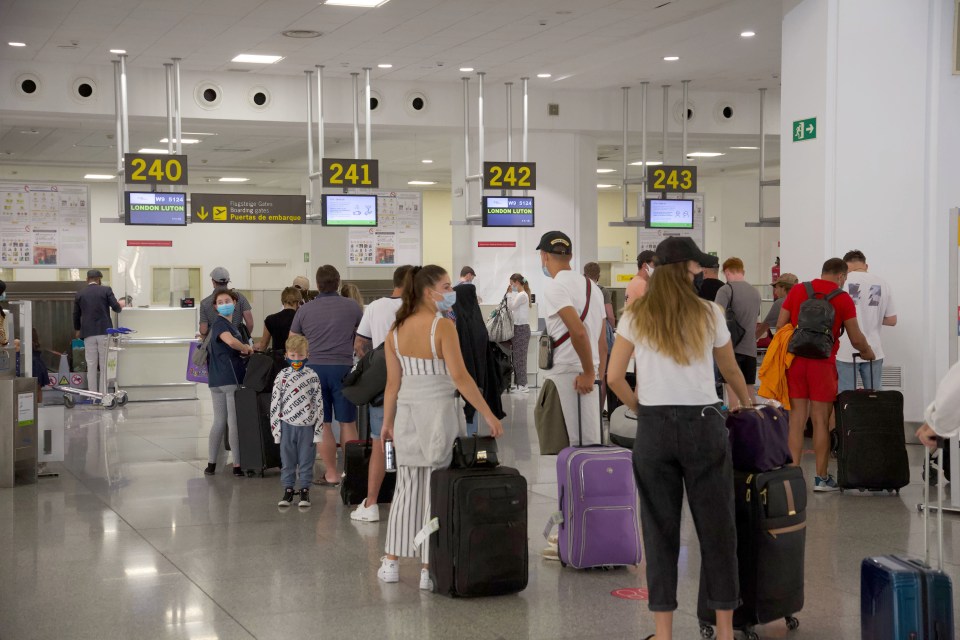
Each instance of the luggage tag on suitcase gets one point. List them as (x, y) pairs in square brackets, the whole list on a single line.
[(556, 518), (430, 528)]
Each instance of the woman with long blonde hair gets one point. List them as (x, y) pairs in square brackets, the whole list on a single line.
[(681, 440)]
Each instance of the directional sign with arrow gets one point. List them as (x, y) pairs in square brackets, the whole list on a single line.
[(804, 129), (244, 208)]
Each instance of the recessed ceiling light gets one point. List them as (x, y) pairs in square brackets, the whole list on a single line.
[(670, 58), (98, 176), (149, 150), (605, 186), (606, 170), (365, 4), (704, 154), (255, 58), (301, 33), (746, 148), (650, 163), (747, 34), (543, 75), (384, 66), (183, 141), (118, 51), (466, 69), (234, 179), (420, 183), (427, 161), (17, 44)]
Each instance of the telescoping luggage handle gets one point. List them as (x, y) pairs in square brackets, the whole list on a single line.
[(926, 509), (873, 384), (580, 421)]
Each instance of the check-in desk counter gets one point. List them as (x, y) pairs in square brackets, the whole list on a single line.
[(153, 363), (533, 369)]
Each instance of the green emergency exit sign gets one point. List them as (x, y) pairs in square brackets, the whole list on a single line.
[(804, 129)]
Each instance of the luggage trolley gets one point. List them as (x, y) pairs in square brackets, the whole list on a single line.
[(108, 374)]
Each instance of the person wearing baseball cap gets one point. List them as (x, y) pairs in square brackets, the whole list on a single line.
[(303, 284), (710, 283), (242, 314), (681, 442), (91, 319), (781, 287), (646, 263), (573, 307)]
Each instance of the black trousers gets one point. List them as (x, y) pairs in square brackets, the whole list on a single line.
[(681, 447)]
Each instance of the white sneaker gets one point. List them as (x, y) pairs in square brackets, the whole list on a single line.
[(389, 570), (363, 513), (523, 389), (426, 584)]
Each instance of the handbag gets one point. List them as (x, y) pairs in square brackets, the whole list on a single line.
[(549, 421), (737, 332), (759, 440), (367, 381), (200, 352), (547, 344), (260, 372), (196, 372), (500, 324), (475, 451)]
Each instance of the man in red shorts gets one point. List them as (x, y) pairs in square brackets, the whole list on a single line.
[(813, 383)]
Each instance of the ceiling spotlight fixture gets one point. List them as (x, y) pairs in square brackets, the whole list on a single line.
[(704, 154), (234, 179), (363, 4), (543, 75), (420, 183), (385, 66), (466, 69), (301, 33), (17, 44), (118, 51), (183, 141), (98, 176), (746, 148), (670, 58), (255, 58), (427, 161), (606, 170), (605, 186), (149, 150), (747, 34), (650, 163)]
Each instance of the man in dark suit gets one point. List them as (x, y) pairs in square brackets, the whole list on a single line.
[(91, 319)]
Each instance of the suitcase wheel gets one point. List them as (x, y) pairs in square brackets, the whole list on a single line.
[(251, 473), (750, 634), (706, 631), (792, 623)]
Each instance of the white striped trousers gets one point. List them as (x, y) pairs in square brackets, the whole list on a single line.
[(409, 513)]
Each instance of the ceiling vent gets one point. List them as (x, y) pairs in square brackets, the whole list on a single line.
[(259, 98), (84, 91), (416, 103), (230, 150), (724, 112), (28, 85), (678, 111), (208, 95)]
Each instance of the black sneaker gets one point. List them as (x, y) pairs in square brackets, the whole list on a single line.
[(211, 469), (237, 472), (304, 498), (287, 498)]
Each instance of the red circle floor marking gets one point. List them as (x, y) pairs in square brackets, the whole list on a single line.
[(631, 594)]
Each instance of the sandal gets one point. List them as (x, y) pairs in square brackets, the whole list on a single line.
[(323, 482)]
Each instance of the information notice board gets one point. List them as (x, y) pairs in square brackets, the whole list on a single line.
[(650, 238), (398, 237), (44, 225)]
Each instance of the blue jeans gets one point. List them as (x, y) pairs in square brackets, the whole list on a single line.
[(846, 373), (331, 388), (297, 449), (376, 421)]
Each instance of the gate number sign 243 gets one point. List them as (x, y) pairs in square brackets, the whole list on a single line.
[(672, 179)]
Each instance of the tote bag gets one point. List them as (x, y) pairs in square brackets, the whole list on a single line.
[(500, 324)]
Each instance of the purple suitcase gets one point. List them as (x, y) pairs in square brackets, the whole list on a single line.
[(598, 518)]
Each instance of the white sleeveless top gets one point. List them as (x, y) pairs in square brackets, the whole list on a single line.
[(421, 366)]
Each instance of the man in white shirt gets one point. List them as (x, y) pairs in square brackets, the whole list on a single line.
[(875, 309), (942, 417), (575, 324), (378, 319)]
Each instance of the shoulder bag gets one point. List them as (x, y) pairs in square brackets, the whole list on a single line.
[(500, 324), (366, 382), (737, 332), (548, 344), (474, 451)]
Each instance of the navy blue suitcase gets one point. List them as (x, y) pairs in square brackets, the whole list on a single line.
[(906, 599)]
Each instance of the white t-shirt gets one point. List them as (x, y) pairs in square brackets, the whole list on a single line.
[(661, 381), (378, 317), (569, 289), (519, 303), (874, 301)]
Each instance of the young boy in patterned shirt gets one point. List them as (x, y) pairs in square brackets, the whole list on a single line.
[(296, 421)]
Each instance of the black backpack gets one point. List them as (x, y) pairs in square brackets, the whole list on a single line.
[(737, 333), (813, 337)]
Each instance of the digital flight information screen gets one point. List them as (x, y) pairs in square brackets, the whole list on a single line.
[(509, 211), (349, 210), (156, 209), (670, 214)]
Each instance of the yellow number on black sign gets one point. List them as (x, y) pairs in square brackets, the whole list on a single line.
[(524, 177), (686, 180), (496, 176), (139, 164), (658, 179), (672, 179)]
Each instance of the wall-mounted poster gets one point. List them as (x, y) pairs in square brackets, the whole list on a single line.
[(397, 237), (44, 225)]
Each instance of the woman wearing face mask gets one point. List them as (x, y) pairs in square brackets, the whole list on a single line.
[(422, 415), (226, 372), (681, 442), (518, 299)]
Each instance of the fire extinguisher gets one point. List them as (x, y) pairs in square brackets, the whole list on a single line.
[(775, 271)]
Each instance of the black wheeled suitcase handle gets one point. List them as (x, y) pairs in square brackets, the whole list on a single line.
[(873, 384)]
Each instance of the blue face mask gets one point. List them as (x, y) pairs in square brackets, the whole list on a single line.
[(449, 299), (546, 271), (225, 309), (3, 297)]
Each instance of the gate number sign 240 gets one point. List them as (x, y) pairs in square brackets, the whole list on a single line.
[(149, 168)]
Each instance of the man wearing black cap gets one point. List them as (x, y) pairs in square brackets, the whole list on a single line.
[(91, 319), (242, 312), (573, 307), (711, 282), (646, 263)]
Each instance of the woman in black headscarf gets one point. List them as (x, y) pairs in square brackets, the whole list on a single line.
[(473, 344)]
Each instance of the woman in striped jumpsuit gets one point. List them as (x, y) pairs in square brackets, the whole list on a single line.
[(422, 413)]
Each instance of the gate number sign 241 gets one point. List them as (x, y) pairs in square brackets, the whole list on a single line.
[(149, 168), (672, 179)]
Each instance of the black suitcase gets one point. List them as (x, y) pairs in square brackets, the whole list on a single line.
[(771, 537), (257, 448), (871, 449), (356, 465), (480, 548)]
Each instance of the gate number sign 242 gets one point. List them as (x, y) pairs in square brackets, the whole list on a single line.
[(672, 179), (509, 175), (149, 168)]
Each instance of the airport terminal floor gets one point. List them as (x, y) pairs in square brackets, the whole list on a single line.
[(133, 541)]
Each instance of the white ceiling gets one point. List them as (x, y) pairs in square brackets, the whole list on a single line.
[(585, 44)]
